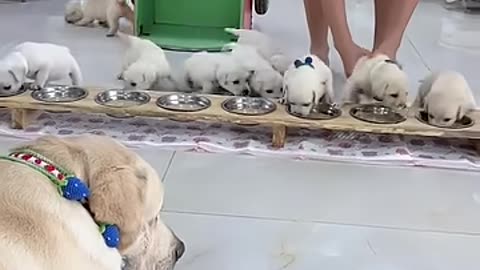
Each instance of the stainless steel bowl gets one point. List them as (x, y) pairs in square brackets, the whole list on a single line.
[(249, 106), (465, 122), (377, 114), (322, 111), (60, 94), (116, 98), (182, 102)]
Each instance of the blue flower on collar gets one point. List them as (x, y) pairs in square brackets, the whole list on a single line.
[(307, 62)]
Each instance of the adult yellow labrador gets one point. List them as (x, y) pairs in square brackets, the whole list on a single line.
[(41, 230)]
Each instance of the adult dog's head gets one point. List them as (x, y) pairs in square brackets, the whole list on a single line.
[(125, 190)]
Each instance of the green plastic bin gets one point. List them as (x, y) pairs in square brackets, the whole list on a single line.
[(190, 25)]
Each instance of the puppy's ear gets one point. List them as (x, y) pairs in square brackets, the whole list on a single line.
[(120, 77), (15, 77), (118, 197), (460, 113)]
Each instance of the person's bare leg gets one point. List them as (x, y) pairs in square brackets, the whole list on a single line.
[(318, 28), (335, 15), (391, 19)]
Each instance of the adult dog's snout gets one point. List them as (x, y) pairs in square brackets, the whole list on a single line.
[(179, 249)]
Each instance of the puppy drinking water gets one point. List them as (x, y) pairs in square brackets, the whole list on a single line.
[(209, 71), (266, 47), (85, 12), (265, 81), (145, 65), (306, 83), (42, 62), (446, 97), (377, 79)]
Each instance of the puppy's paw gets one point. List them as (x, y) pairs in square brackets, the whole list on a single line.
[(282, 101), (35, 87)]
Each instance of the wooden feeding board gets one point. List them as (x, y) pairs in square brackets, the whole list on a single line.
[(25, 109)]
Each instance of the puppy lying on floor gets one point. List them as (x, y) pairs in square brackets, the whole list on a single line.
[(41, 230), (145, 66), (377, 79), (42, 62), (446, 97), (85, 12), (307, 82)]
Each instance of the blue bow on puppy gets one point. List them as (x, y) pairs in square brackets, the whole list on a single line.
[(307, 62)]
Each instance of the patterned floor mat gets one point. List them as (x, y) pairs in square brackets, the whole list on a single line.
[(255, 140)]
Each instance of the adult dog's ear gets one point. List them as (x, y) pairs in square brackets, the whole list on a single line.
[(118, 197)]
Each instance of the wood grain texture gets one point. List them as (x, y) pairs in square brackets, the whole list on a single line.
[(216, 114)]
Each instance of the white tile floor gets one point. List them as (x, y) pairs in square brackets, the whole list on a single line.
[(238, 212)]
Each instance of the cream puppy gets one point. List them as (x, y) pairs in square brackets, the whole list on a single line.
[(85, 12), (446, 97), (265, 81), (145, 65), (377, 79), (306, 83), (265, 45), (42, 62), (209, 71)]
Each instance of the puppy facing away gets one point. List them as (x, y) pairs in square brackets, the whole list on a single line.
[(40, 229), (209, 71), (377, 79), (42, 62), (265, 81), (446, 97), (85, 12), (74, 11), (265, 45), (145, 66), (307, 82)]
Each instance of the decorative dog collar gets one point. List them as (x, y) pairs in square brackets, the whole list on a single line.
[(69, 186), (307, 62)]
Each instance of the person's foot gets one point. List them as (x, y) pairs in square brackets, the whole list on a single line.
[(322, 53), (351, 56)]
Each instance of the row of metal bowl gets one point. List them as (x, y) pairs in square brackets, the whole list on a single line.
[(248, 106)]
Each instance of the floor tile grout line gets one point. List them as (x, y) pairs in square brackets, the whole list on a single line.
[(322, 222), (170, 161), (424, 62)]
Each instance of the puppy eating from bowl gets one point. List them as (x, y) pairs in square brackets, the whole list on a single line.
[(207, 72), (307, 83), (265, 80), (41, 62), (145, 66), (43, 226), (445, 97), (85, 12), (377, 79)]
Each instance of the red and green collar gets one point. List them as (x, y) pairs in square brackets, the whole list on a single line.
[(68, 185)]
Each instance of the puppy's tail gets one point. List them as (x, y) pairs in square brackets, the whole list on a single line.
[(76, 74), (234, 31)]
